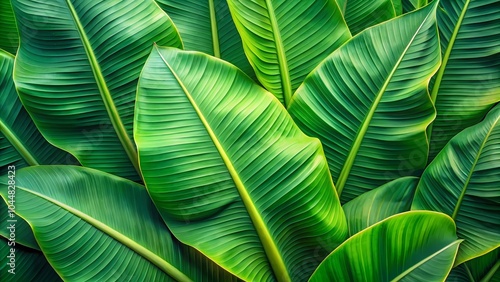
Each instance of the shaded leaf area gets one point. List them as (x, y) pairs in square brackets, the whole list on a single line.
[(412, 246), (412, 5), (77, 69), (230, 172), (468, 83), (463, 181), (370, 107), (23, 234), (484, 268), (380, 203), (207, 26), (30, 265), (21, 144), (73, 210), (9, 37), (285, 40), (360, 14)]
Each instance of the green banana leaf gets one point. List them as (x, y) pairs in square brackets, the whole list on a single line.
[(30, 265), (463, 181), (468, 83), (361, 14), (76, 73), (380, 203), (94, 226), (207, 26), (21, 144), (9, 36), (412, 246), (230, 172), (23, 235), (368, 103), (412, 5), (485, 268), (285, 40)]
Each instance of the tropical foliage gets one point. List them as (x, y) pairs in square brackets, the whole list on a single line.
[(254, 140)]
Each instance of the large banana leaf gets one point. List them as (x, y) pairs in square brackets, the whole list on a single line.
[(93, 226), (463, 181), (21, 144), (207, 26), (468, 83), (230, 172), (411, 5), (368, 103), (380, 203), (413, 246), (285, 40), (362, 14), (76, 73), (485, 268), (30, 265), (9, 37)]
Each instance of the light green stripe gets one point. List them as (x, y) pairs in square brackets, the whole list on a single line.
[(126, 241), (491, 272), (215, 32), (274, 256), (114, 116), (18, 144)]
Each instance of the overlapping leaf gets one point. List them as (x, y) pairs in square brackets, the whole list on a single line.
[(468, 83), (285, 40), (380, 203), (412, 5), (463, 181), (360, 14), (368, 103), (94, 226), (207, 26), (485, 268), (9, 36), (413, 246), (230, 172), (76, 73), (29, 265)]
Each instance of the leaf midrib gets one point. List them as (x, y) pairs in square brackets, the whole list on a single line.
[(444, 62), (280, 52), (214, 29), (422, 261), (346, 169), (473, 167), (274, 256), (107, 99), (18, 144), (123, 239)]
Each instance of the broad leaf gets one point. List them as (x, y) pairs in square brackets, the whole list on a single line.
[(368, 103), (285, 40), (484, 268), (30, 265), (76, 73), (230, 172), (413, 246), (468, 83), (411, 5), (9, 36), (207, 26), (361, 14), (463, 181), (93, 226), (380, 203)]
